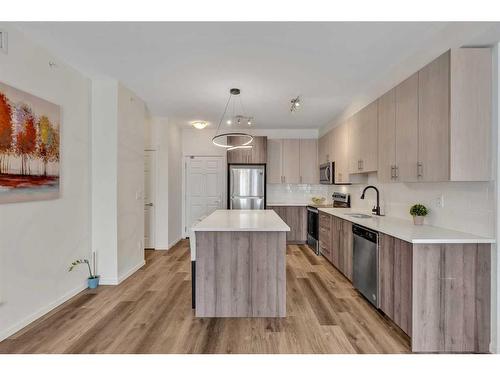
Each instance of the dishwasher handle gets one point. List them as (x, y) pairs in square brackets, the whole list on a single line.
[(366, 233)]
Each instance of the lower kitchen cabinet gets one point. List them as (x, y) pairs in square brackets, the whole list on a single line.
[(340, 244), (395, 280), (325, 233), (296, 218), (451, 298)]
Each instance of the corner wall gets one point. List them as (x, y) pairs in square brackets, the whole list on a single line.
[(118, 120), (39, 239)]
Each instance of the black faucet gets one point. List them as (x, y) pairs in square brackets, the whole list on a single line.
[(376, 209)]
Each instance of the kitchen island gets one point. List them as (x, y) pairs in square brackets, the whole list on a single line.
[(239, 264)]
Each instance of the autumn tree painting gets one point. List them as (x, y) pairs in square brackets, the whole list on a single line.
[(29, 146)]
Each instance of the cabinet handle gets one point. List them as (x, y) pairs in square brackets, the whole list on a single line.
[(361, 162), (392, 171), (284, 179), (396, 171), (420, 169)]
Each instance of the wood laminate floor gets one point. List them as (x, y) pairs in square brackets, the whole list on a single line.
[(150, 312)]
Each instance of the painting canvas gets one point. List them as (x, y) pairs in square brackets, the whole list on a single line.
[(29, 146)]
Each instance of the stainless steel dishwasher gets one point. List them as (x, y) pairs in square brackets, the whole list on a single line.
[(365, 262)]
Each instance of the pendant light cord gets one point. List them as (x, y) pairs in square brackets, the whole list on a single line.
[(223, 114)]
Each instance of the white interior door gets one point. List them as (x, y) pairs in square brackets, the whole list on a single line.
[(149, 198), (204, 188)]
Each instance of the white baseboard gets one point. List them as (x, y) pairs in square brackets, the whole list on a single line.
[(41, 312), (108, 281), (131, 271)]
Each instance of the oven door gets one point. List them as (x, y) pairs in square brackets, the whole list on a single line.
[(326, 173)]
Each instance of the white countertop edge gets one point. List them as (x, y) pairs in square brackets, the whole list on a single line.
[(241, 221), (429, 240), (235, 229), (289, 204)]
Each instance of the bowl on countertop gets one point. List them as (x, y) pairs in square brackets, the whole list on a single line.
[(318, 200)]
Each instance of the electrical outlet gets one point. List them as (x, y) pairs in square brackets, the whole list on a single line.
[(439, 201)]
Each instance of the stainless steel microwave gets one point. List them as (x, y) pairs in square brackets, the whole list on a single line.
[(327, 173)]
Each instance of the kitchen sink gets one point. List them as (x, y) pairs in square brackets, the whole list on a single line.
[(359, 216)]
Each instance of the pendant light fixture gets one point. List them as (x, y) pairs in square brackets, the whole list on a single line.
[(244, 140)]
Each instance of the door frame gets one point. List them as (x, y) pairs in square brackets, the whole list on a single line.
[(185, 161), (155, 188)]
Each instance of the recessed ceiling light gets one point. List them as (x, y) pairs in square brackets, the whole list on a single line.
[(199, 124)]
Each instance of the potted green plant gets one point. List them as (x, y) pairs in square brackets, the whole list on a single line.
[(93, 279), (418, 211)]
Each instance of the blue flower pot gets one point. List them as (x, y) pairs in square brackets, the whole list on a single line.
[(93, 283)]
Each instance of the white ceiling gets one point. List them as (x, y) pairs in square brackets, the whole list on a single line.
[(184, 70)]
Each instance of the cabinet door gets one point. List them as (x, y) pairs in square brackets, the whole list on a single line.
[(325, 235), (368, 138), (470, 97), (354, 155), (433, 120), (346, 252), (324, 146), (395, 280), (386, 274), (387, 136), (407, 130), (340, 153), (309, 171), (291, 161), (274, 161), (336, 239), (259, 150), (403, 285)]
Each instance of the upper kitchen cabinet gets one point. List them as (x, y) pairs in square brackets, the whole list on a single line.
[(309, 172), (292, 161), (274, 161), (363, 144), (406, 100), (454, 111), (386, 136), (325, 148), (470, 115), (398, 132), (434, 120), (339, 150), (255, 155)]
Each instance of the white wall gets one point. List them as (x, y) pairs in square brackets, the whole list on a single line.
[(118, 121), (156, 138), (174, 184), (104, 177), (132, 116), (38, 240)]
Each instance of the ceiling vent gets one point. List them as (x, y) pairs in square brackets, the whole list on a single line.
[(3, 41)]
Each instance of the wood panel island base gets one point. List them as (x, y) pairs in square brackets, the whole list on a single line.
[(240, 264)]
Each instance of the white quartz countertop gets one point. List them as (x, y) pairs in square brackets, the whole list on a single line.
[(289, 204), (406, 230), (242, 220)]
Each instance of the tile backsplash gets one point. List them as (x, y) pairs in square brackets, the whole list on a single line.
[(462, 206)]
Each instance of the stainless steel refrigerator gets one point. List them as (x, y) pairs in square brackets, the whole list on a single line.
[(247, 187)]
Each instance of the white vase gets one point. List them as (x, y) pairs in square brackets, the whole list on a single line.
[(418, 220)]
